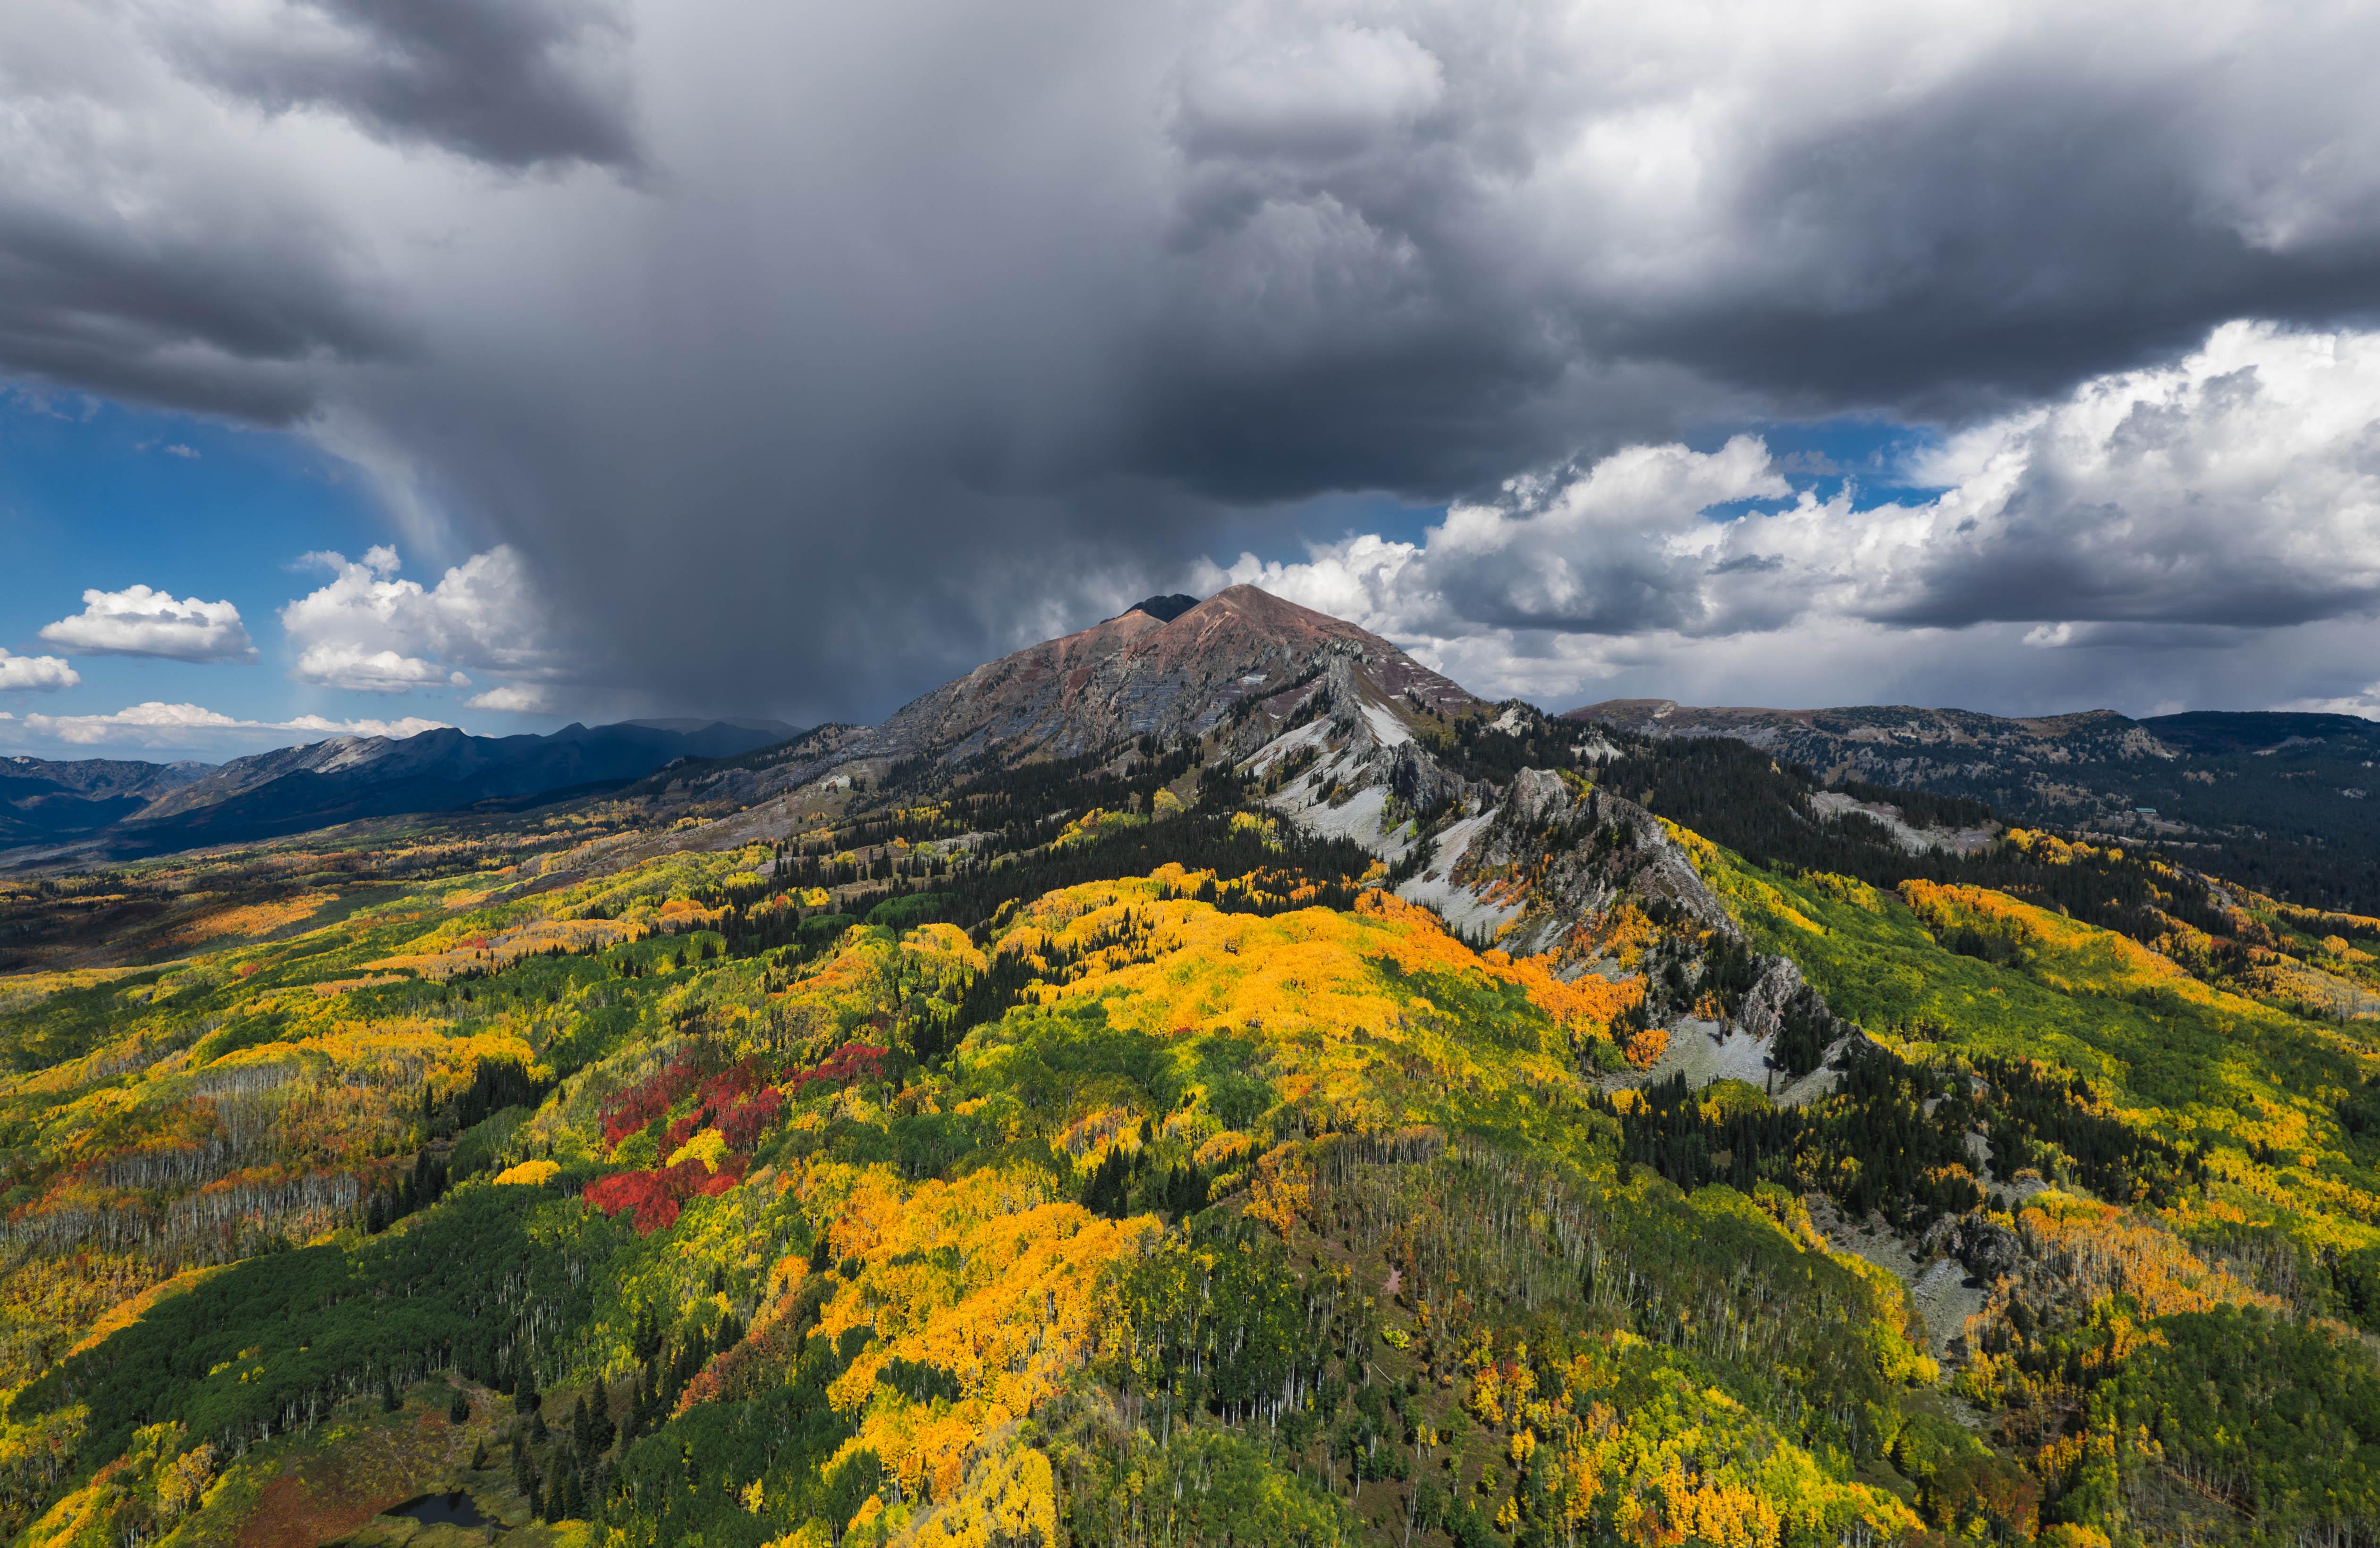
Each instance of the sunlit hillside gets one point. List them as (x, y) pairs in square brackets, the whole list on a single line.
[(1119, 1153)]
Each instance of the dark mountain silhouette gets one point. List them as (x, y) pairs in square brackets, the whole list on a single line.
[(114, 810), (42, 802)]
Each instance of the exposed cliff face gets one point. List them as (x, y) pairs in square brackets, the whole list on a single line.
[(1543, 863), (1349, 753), (1530, 862), (1561, 863)]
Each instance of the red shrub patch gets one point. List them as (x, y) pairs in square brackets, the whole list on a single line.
[(734, 1101), (638, 1105), (853, 1061), (745, 1122), (738, 1080), (727, 1101), (656, 1196)]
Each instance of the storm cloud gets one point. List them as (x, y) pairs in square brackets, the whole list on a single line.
[(513, 83), (2160, 514), (798, 357)]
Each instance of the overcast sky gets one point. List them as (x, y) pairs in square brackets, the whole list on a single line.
[(496, 362)]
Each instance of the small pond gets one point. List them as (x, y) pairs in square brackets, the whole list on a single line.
[(454, 1508)]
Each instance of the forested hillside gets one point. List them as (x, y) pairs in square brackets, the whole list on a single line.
[(1370, 1118), (2276, 800)]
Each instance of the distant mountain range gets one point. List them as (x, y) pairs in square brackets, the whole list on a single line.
[(108, 809), (2288, 802), (41, 801)]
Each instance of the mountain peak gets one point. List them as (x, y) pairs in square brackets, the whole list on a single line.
[(1154, 669), (1165, 610), (1253, 612)]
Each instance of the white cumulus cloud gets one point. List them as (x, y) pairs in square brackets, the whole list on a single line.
[(40, 673), (519, 698), (343, 664), (141, 621), (2178, 511), (371, 631), (156, 724)]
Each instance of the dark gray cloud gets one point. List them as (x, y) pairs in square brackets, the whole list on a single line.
[(828, 350), (149, 254), (154, 247), (182, 322), (235, 306), (1998, 240), (2069, 201), (511, 83)]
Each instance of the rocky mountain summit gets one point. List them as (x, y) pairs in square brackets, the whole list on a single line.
[(1147, 674), (1240, 660)]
